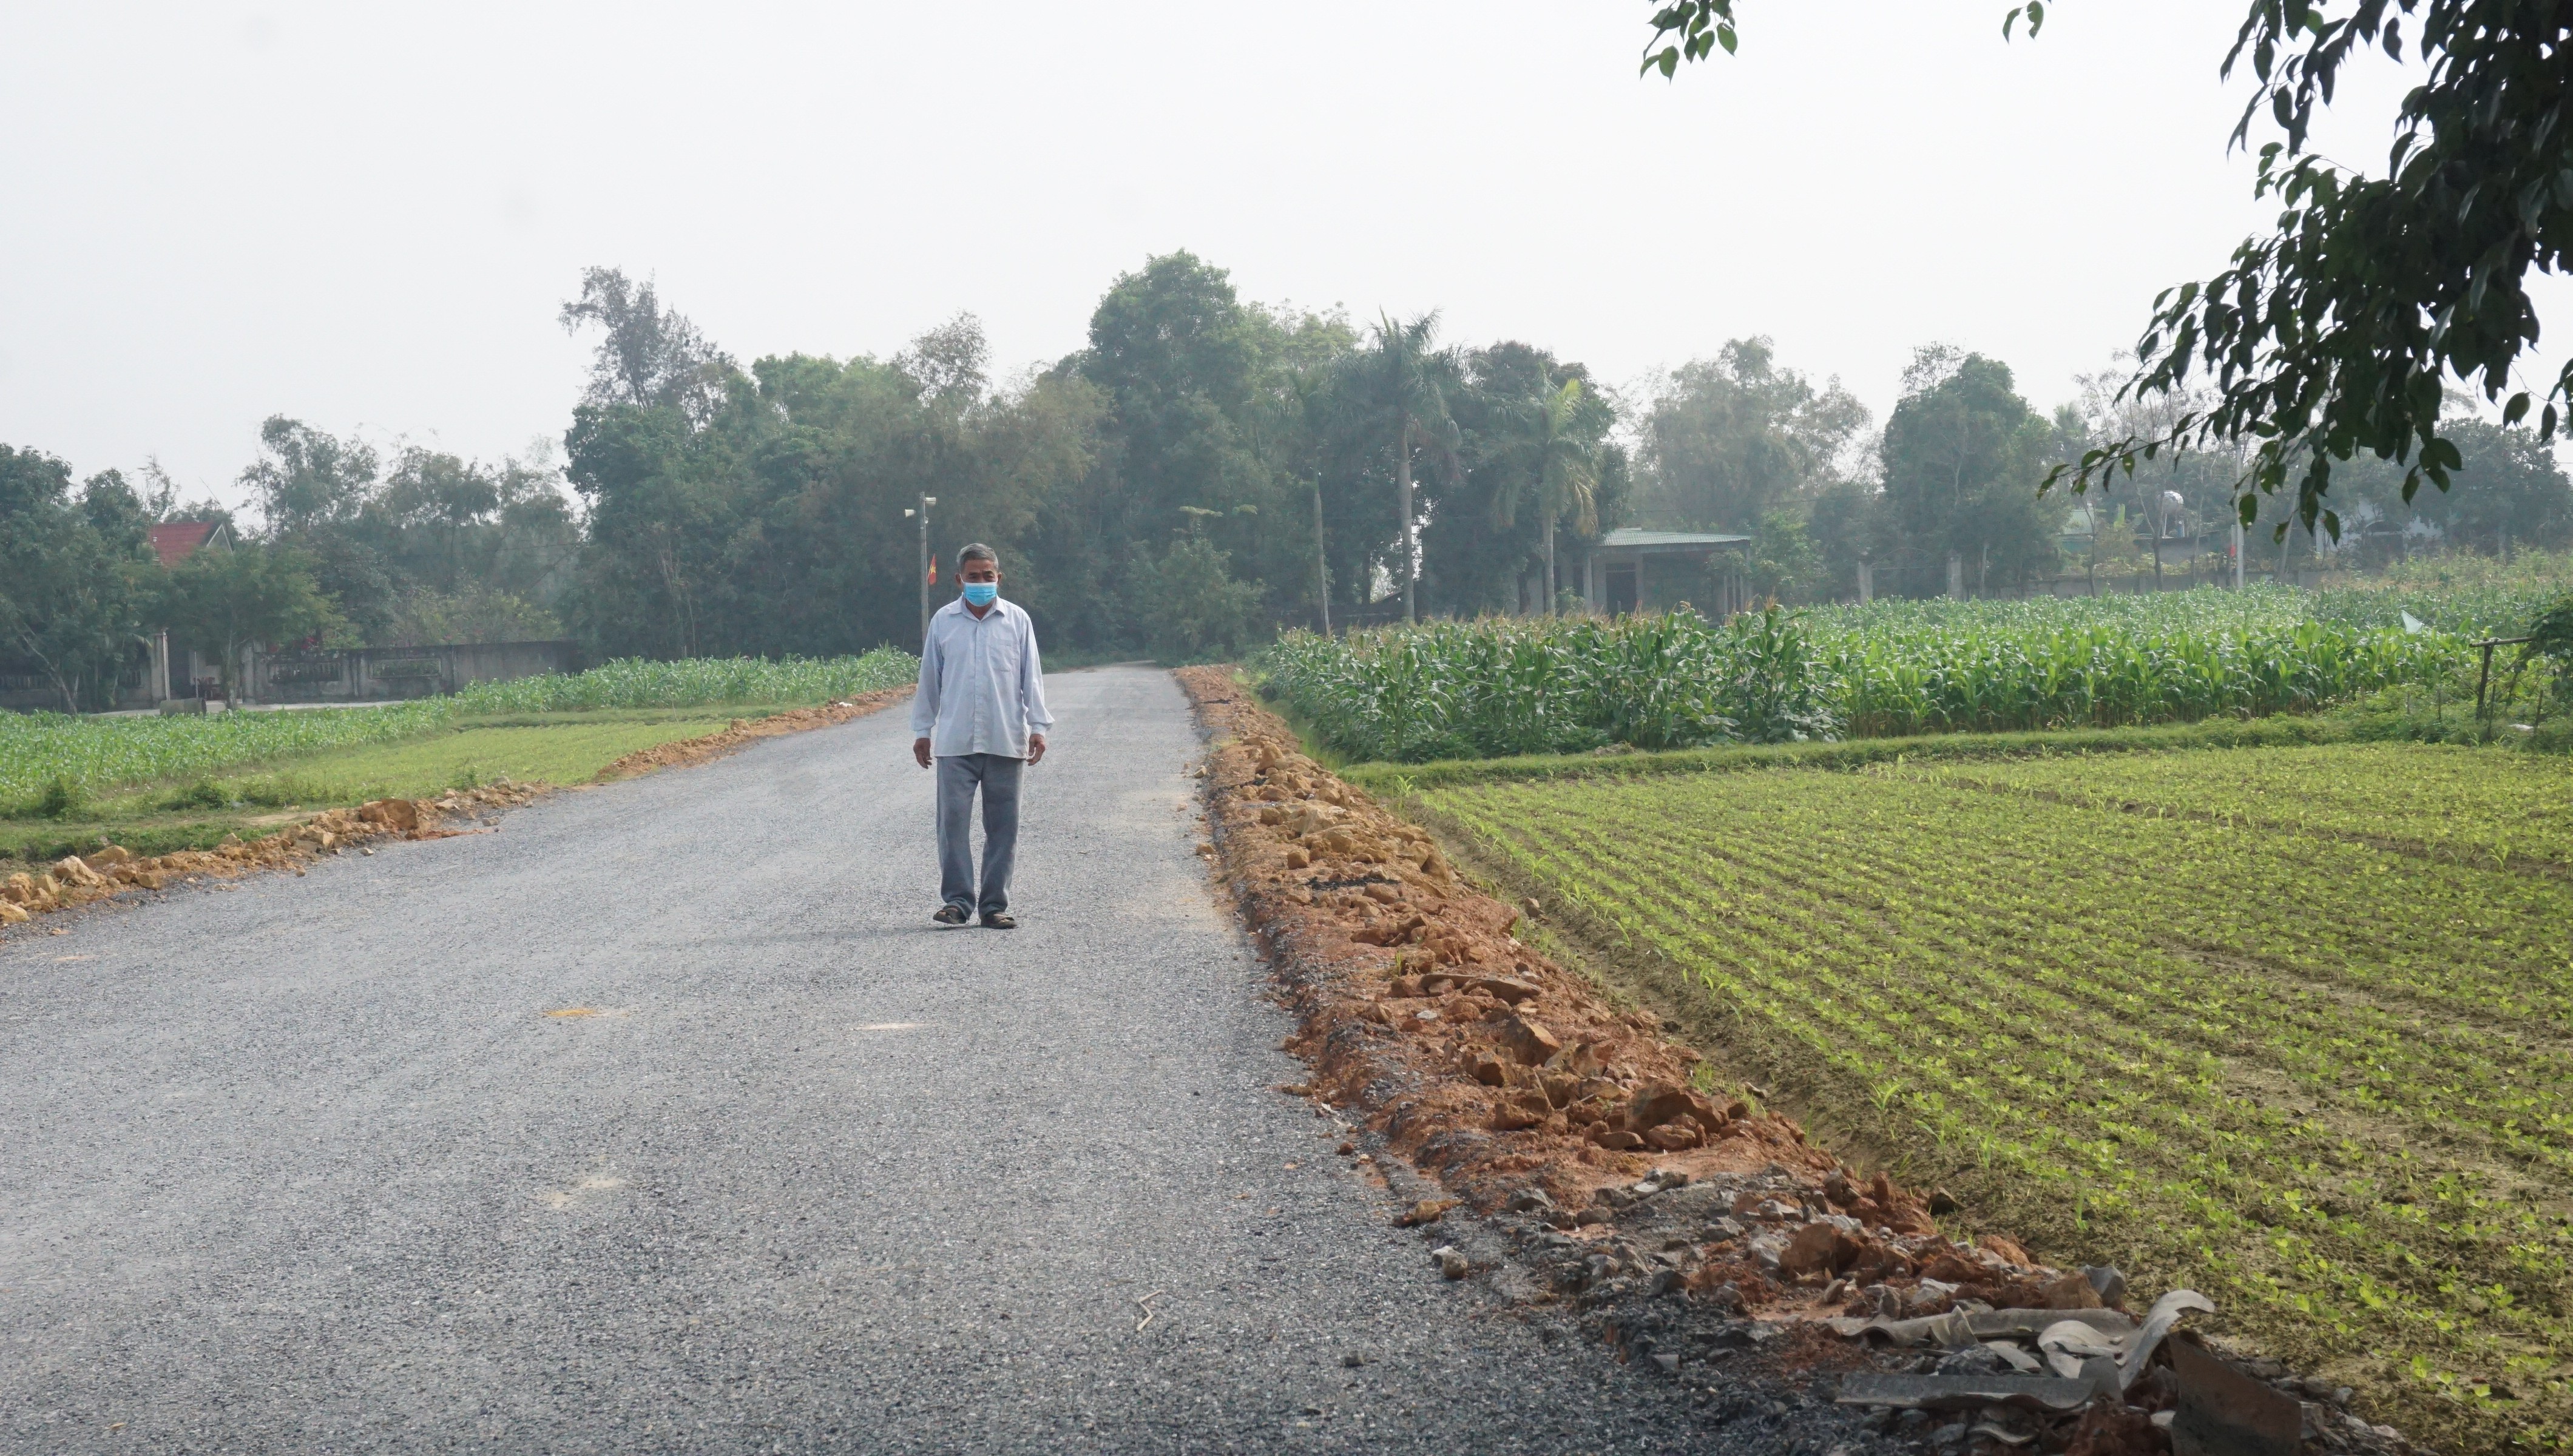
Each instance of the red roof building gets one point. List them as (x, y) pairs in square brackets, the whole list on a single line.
[(177, 540)]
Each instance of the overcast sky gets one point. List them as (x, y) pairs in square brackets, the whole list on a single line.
[(367, 219)]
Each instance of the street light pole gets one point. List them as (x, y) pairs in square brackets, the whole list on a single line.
[(925, 501)]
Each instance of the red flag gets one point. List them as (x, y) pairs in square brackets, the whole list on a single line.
[(933, 571)]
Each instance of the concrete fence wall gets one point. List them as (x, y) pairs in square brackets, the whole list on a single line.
[(373, 674)]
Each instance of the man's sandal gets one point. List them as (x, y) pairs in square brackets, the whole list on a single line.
[(999, 920), (951, 914)]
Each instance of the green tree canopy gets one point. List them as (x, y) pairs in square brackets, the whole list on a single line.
[(1730, 440), (72, 574), (1963, 456), (432, 526), (223, 600), (647, 355), (774, 522), (1398, 388)]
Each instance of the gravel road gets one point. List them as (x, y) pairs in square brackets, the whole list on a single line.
[(303, 1164)]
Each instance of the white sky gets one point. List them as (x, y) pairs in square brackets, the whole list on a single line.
[(367, 219)]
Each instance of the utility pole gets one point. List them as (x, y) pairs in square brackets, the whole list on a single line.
[(925, 501), (1410, 547), (1321, 556), (2237, 553)]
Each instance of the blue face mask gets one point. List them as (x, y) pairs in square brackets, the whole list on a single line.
[(980, 593)]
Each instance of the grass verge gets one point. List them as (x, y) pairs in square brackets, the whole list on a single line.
[(198, 812)]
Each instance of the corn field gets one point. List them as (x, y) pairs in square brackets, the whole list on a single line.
[(1511, 686), (1946, 680), (1532, 685)]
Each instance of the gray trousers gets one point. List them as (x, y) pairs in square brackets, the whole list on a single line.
[(959, 775)]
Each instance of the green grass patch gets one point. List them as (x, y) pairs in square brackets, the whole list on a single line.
[(2282, 1024), (562, 752), (51, 763), (196, 813)]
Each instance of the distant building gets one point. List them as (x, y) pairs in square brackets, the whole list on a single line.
[(1632, 571), (176, 540)]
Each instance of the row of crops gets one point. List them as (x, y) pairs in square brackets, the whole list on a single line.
[(2312, 1066), (2500, 812), (1518, 685), (634, 682), (54, 754)]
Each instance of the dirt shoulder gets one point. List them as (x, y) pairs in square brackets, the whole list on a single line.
[(110, 872), (1478, 1058)]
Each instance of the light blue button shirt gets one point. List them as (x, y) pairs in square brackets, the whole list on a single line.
[(982, 689)]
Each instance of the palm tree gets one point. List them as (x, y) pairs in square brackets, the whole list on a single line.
[(1400, 382), (1563, 430)]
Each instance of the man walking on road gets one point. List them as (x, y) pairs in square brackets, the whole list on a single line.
[(980, 717)]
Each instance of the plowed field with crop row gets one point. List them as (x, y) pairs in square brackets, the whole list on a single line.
[(2274, 1024)]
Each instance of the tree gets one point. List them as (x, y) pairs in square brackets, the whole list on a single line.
[(950, 362), (385, 544), (774, 524), (1180, 360), (2507, 491), (1963, 457), (1193, 608), (306, 479), (1482, 544), (1562, 440), (442, 497), (2204, 478), (2334, 335), (1846, 525), (1402, 380), (71, 573), (647, 355), (1784, 563), (312, 488), (1729, 441), (222, 601)]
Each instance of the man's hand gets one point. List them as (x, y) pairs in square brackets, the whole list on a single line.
[(1036, 747), (920, 751)]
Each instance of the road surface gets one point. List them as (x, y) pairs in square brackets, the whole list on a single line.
[(304, 1164)]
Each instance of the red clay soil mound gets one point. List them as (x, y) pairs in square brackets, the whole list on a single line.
[(77, 880), (1482, 1061), (1494, 1071)]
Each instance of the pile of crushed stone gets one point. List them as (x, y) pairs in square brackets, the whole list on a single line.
[(1685, 1227), (1979, 1348)]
